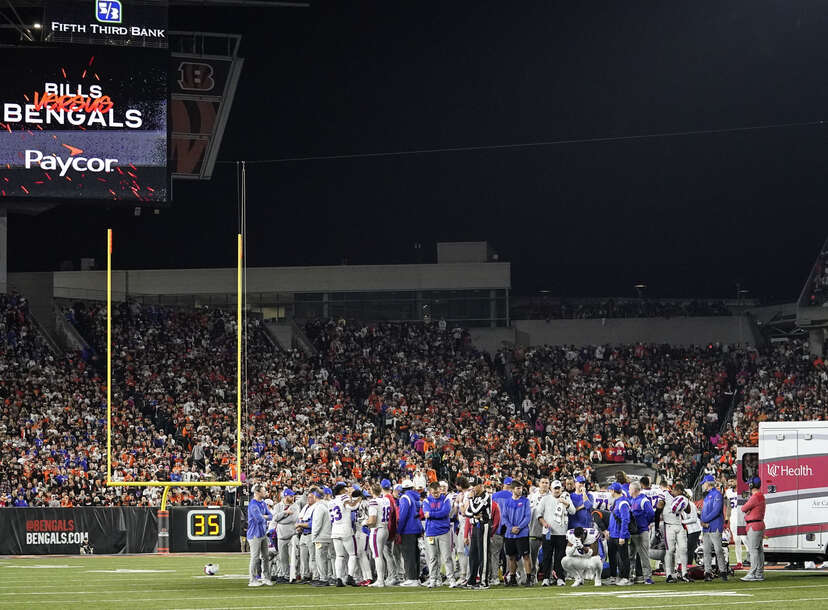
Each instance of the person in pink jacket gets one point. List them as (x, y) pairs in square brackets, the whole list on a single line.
[(754, 510)]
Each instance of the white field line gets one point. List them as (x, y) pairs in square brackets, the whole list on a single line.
[(391, 591), (478, 600)]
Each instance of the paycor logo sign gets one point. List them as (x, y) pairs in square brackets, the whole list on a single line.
[(72, 161)]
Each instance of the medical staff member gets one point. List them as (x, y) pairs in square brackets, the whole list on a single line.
[(754, 510)]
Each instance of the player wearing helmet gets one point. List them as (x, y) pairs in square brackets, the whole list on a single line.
[(582, 559)]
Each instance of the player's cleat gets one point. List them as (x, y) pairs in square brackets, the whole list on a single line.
[(738, 566), (686, 578), (267, 582), (597, 582), (255, 583), (453, 584), (366, 583), (623, 582), (648, 581), (724, 576), (339, 582), (708, 577), (410, 583), (545, 582), (529, 581), (670, 580), (578, 581), (378, 584), (560, 583), (320, 583)]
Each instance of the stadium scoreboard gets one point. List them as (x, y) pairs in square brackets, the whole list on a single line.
[(205, 525), (84, 114)]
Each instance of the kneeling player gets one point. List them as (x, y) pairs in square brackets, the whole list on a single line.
[(582, 558)]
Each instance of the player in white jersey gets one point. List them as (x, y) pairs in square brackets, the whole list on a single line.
[(452, 496), (736, 522), (601, 500), (342, 534), (379, 515), (582, 559), (675, 536), (461, 500), (655, 494), (361, 533)]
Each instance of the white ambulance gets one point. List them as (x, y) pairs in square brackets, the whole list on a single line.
[(792, 461)]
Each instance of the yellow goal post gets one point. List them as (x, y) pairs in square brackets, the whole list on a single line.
[(168, 484)]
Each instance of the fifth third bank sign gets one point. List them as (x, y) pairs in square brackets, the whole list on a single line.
[(134, 23)]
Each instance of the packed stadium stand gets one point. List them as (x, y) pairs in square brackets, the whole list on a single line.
[(376, 400), (782, 382)]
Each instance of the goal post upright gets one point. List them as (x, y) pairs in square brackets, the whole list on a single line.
[(238, 356), (163, 514), (108, 356)]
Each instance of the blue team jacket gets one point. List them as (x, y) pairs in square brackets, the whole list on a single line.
[(712, 511), (581, 518), (501, 497), (643, 513), (409, 517), (257, 515), (619, 521), (438, 510), (517, 513)]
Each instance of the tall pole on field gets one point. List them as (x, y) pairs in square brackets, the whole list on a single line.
[(108, 355)]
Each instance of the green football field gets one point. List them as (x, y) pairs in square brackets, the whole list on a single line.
[(149, 581)]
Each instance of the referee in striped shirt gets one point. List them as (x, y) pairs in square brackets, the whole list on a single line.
[(479, 512)]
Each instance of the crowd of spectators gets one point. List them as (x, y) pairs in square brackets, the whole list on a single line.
[(640, 403), (380, 400), (52, 443), (545, 308), (780, 382)]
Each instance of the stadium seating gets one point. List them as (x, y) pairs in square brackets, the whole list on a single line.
[(377, 400)]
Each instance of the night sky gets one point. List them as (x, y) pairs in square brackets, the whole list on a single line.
[(689, 216)]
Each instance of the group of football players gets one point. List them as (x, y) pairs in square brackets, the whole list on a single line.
[(395, 535)]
